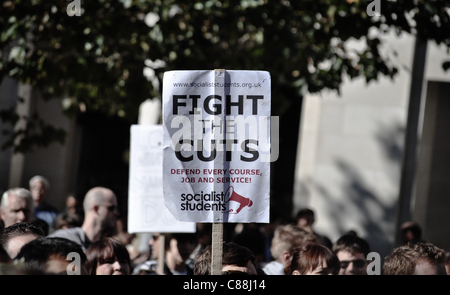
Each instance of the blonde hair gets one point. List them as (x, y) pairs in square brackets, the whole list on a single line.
[(288, 238)]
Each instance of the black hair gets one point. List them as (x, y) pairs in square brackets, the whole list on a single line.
[(38, 252), (352, 243), (304, 212), (19, 229), (233, 254), (104, 250)]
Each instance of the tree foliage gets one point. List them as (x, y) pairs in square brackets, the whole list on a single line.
[(105, 58)]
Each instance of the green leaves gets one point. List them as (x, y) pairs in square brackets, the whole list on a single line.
[(96, 61)]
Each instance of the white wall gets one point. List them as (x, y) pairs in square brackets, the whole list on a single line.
[(56, 162), (349, 157)]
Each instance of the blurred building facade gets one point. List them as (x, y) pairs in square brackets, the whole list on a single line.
[(352, 151), (57, 163), (94, 153)]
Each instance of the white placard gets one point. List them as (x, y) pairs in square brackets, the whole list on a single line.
[(146, 209), (216, 165)]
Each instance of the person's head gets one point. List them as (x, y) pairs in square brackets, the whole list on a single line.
[(16, 206), (180, 246), (155, 244), (286, 239), (53, 256), (236, 259), (12, 238), (108, 257), (66, 220), (72, 204), (410, 232), (100, 207), (415, 259), (39, 187), (305, 218), (42, 224), (313, 259), (352, 252), (254, 240)]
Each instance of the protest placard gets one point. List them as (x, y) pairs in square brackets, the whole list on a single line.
[(216, 146), (146, 209)]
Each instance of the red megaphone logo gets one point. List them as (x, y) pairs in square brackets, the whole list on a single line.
[(231, 195)]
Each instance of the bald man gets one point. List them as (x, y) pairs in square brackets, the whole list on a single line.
[(100, 216)]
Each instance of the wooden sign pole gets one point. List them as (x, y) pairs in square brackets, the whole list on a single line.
[(161, 254), (217, 249), (217, 228)]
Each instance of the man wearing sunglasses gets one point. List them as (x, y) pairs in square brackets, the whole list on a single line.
[(101, 214), (352, 251)]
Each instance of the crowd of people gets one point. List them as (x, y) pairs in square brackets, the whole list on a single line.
[(92, 240)]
